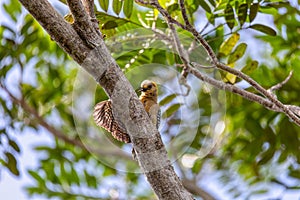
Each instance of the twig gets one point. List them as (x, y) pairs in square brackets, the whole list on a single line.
[(192, 187), (197, 65), (234, 89), (183, 12), (58, 134), (294, 109), (279, 85)]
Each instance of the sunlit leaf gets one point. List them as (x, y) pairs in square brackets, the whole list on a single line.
[(237, 53), (228, 44), (250, 67), (69, 18), (231, 78), (264, 29)]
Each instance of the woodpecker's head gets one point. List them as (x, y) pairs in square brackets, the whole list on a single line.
[(148, 88)]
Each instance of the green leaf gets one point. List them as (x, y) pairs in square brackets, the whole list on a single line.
[(37, 177), (109, 171), (267, 156), (117, 6), (253, 11), (228, 44), (242, 13), (109, 25), (264, 29), (212, 2), (75, 177), (197, 166), (91, 180), (229, 16), (12, 164), (204, 5), (231, 78), (14, 145), (108, 22), (104, 4), (172, 8), (250, 67), (127, 9), (237, 53), (167, 99), (171, 110)]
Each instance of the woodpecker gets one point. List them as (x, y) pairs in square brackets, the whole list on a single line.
[(104, 118)]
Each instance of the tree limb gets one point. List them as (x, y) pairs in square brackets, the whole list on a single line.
[(279, 85), (277, 105), (146, 140), (57, 133)]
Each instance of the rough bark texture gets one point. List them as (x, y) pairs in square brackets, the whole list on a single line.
[(85, 45)]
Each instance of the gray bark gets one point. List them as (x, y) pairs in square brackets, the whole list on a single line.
[(86, 46)]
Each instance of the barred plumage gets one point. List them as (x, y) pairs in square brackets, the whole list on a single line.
[(104, 117), (103, 114)]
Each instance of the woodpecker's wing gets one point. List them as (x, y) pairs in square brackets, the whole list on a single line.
[(103, 117)]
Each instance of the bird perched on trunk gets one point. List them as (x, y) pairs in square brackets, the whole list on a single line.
[(103, 114)]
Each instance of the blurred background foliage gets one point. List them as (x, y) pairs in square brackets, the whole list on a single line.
[(212, 136)]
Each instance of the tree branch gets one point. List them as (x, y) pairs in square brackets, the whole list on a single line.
[(82, 23), (57, 133), (194, 189), (277, 105), (146, 140), (279, 85)]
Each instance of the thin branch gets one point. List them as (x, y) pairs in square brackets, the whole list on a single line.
[(262, 90), (82, 24), (294, 109), (224, 67), (243, 76), (57, 28), (279, 85), (57, 133), (151, 152), (192, 187), (197, 65), (184, 14), (224, 86)]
